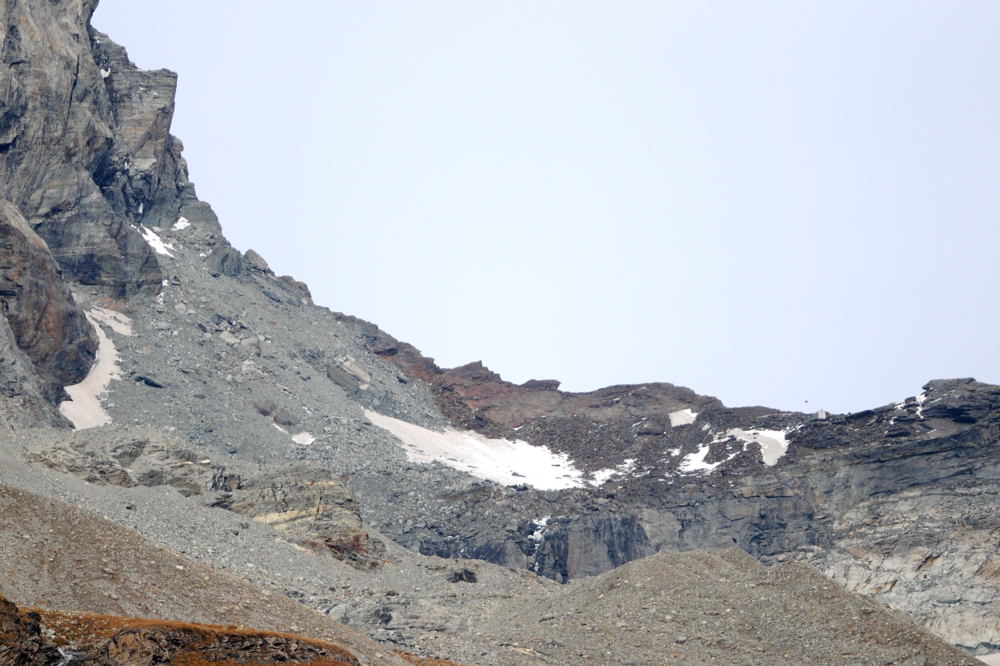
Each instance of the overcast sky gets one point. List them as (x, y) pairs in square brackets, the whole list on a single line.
[(770, 202)]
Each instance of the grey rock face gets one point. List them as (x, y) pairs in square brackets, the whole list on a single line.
[(313, 509), (225, 261), (63, 146), (85, 150), (22, 404), (41, 312), (86, 164)]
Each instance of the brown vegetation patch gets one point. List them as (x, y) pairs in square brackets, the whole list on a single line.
[(121, 640)]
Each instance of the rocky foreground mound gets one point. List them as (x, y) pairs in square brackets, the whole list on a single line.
[(43, 638)]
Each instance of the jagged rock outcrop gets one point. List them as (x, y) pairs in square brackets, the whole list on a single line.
[(312, 508), (599, 429), (63, 146), (38, 306), (21, 639), (22, 391), (88, 164), (87, 168)]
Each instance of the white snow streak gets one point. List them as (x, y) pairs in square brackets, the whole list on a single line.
[(157, 243), (181, 223), (695, 462), (84, 409), (504, 461), (921, 399)]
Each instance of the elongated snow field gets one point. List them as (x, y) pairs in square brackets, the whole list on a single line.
[(510, 462)]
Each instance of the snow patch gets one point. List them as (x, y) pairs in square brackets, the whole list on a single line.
[(84, 409), (682, 417), (773, 443), (502, 460), (695, 462), (181, 223), (157, 243), (602, 475), (303, 438), (105, 73), (921, 399)]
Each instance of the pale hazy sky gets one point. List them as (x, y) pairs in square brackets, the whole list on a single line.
[(770, 202)]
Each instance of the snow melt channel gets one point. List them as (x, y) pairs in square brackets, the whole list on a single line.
[(84, 409), (502, 460)]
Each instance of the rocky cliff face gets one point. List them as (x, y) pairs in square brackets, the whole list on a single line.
[(39, 309), (253, 402), (67, 164), (87, 167)]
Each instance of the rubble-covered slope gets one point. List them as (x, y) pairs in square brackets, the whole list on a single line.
[(59, 557)]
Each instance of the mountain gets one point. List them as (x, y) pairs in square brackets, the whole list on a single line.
[(175, 417)]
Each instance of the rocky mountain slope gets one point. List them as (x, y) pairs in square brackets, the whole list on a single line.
[(181, 390)]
